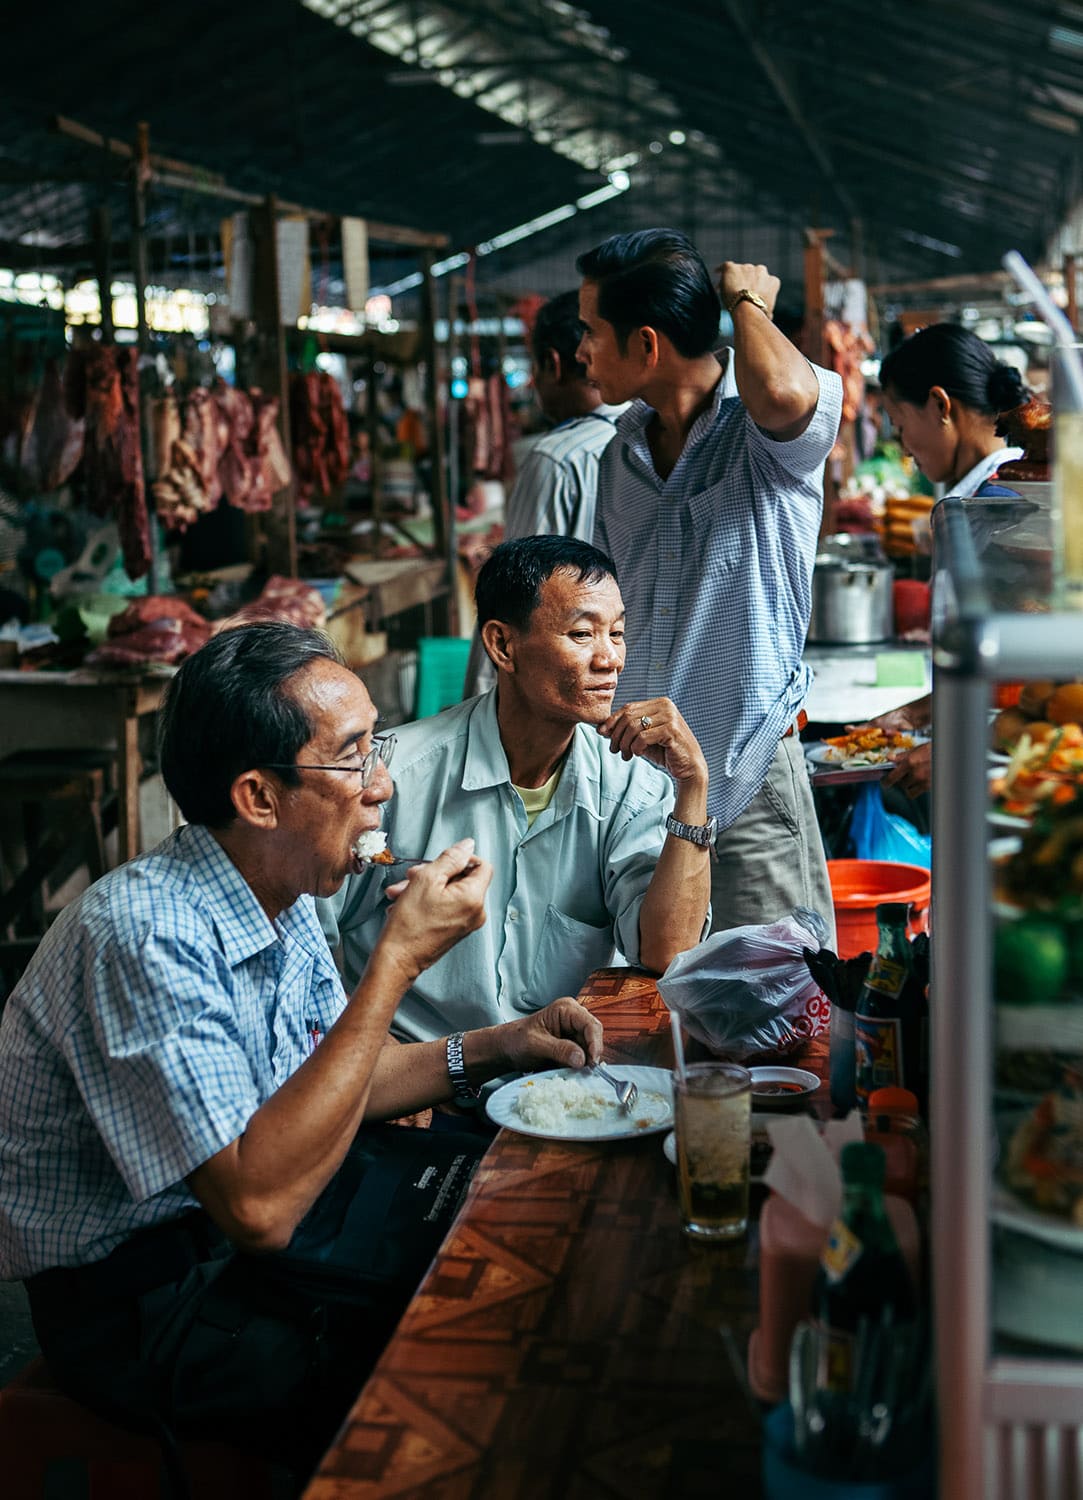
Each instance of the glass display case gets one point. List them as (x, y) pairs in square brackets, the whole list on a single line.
[(1007, 1016)]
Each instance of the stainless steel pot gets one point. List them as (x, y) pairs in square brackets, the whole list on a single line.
[(851, 597)]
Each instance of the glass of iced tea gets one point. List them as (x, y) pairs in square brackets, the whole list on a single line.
[(713, 1112)]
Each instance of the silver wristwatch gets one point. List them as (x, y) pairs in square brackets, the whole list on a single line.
[(461, 1087), (703, 834)]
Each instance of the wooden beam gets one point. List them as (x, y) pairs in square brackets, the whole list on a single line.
[(169, 172), (980, 281)]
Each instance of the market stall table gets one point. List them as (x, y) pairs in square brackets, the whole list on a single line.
[(84, 710), (567, 1342)]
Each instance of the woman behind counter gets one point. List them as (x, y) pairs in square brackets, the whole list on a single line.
[(944, 391)]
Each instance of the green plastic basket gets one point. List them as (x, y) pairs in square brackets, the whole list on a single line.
[(441, 673)]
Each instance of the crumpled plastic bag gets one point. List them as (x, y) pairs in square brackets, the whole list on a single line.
[(749, 989), (878, 834)]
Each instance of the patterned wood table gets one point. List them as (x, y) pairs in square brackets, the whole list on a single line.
[(567, 1343)]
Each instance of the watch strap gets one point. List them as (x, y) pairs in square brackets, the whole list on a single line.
[(747, 295), (703, 834), (461, 1087)]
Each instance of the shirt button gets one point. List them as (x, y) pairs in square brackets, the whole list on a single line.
[(656, 666), (665, 610), (671, 557), (513, 915)]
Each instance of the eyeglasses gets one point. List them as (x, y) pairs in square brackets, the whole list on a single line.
[(383, 748)]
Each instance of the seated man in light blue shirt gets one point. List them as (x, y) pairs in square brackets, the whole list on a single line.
[(592, 845)]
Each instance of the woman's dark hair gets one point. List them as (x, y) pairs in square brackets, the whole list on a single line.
[(655, 278), (557, 326), (228, 709), (960, 363), (509, 585)]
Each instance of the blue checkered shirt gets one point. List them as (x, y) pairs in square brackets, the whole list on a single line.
[(160, 1011), (715, 565)]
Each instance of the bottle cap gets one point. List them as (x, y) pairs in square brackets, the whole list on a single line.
[(863, 1164), (893, 913), (893, 1101)]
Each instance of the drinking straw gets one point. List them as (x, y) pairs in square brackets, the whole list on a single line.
[(678, 1045), (1052, 316)]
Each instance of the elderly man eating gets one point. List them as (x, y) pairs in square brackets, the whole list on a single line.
[(593, 845), (213, 1233)]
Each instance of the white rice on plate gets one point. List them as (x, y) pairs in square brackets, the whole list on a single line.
[(545, 1103)]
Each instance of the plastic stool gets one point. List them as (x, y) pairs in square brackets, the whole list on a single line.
[(441, 673), (40, 1427)]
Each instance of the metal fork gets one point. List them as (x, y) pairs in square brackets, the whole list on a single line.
[(626, 1091)]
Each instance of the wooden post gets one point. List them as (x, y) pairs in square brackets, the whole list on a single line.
[(812, 335), (376, 457), (268, 370), (137, 199), (442, 514), (101, 236)]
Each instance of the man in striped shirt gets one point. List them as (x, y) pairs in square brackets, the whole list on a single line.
[(554, 490), (710, 504)]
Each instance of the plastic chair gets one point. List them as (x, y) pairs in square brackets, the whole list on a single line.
[(441, 673)]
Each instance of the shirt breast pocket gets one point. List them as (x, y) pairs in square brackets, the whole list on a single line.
[(567, 952), (714, 541)]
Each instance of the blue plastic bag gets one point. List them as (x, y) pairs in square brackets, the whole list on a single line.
[(878, 834)]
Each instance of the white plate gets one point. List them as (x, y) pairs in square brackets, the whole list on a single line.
[(653, 1111), (800, 1085), (822, 754), (1014, 1213)]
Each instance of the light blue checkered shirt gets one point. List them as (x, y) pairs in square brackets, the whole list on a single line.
[(715, 565), (161, 1010)]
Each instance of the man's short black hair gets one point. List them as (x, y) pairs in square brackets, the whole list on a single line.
[(509, 585), (557, 327), (228, 710), (655, 278)]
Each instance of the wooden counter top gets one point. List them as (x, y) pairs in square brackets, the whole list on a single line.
[(567, 1342)]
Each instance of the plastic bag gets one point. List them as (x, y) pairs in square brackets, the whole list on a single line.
[(878, 834), (749, 989)]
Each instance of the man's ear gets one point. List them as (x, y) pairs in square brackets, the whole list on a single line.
[(499, 641), (551, 361), (256, 799), (647, 344)]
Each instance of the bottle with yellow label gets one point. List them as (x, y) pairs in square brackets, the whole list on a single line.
[(862, 1272), (890, 1020)]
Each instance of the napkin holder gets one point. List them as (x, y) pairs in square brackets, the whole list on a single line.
[(806, 1195)]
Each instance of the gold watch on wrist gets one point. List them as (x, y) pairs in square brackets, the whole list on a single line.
[(746, 295)]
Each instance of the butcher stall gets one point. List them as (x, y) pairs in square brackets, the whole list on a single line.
[(182, 448)]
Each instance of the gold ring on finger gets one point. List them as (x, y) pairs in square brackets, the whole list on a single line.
[(645, 721)]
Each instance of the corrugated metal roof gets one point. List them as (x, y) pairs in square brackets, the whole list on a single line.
[(928, 137)]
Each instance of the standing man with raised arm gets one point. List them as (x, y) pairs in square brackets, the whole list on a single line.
[(710, 507)]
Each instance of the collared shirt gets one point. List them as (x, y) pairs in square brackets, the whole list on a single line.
[(715, 565), (162, 1008), (984, 470), (555, 488), (563, 891)]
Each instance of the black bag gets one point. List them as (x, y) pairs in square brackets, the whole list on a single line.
[(376, 1227)]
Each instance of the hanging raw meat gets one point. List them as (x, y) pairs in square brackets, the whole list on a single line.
[(234, 470), (54, 444), (101, 384), (269, 467), (202, 433), (320, 433)]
